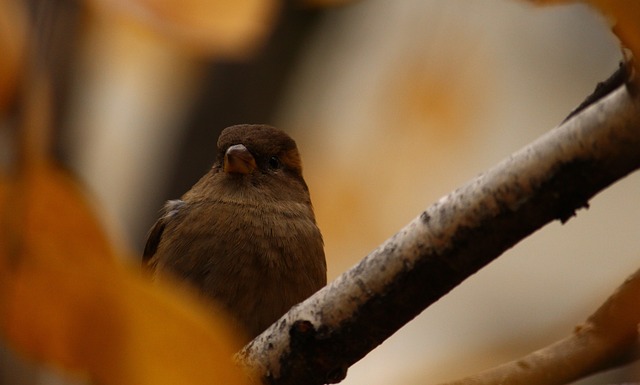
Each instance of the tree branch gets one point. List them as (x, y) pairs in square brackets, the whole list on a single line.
[(557, 174), (607, 339)]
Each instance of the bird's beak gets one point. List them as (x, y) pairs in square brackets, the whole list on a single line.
[(238, 160)]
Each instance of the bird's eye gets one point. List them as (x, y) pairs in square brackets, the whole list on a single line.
[(274, 162)]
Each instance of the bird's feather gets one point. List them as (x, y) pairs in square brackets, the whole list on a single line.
[(170, 209)]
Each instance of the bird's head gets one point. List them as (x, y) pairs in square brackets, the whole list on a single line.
[(260, 158)]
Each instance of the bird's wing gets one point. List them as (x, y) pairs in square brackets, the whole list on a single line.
[(170, 209)]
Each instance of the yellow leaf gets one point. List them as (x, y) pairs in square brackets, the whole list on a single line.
[(224, 27), (13, 33), (625, 17), (66, 300)]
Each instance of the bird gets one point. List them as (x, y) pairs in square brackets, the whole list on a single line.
[(245, 235)]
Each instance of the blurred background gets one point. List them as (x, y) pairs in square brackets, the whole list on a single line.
[(393, 104)]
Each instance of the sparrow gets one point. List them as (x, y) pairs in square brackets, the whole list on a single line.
[(245, 235)]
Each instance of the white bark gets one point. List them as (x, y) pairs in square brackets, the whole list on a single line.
[(549, 179)]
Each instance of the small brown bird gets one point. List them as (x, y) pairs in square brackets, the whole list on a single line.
[(245, 234)]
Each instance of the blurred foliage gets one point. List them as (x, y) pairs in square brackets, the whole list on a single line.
[(13, 33), (66, 298), (231, 28), (624, 16)]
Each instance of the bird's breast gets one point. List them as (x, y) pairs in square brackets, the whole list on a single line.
[(257, 260)]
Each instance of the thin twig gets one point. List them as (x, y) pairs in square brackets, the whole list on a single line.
[(609, 338)]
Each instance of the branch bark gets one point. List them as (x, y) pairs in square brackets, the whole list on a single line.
[(316, 341)]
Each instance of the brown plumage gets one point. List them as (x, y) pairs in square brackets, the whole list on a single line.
[(245, 234)]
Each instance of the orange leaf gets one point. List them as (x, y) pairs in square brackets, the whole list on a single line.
[(13, 33), (65, 299), (227, 27), (625, 15)]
